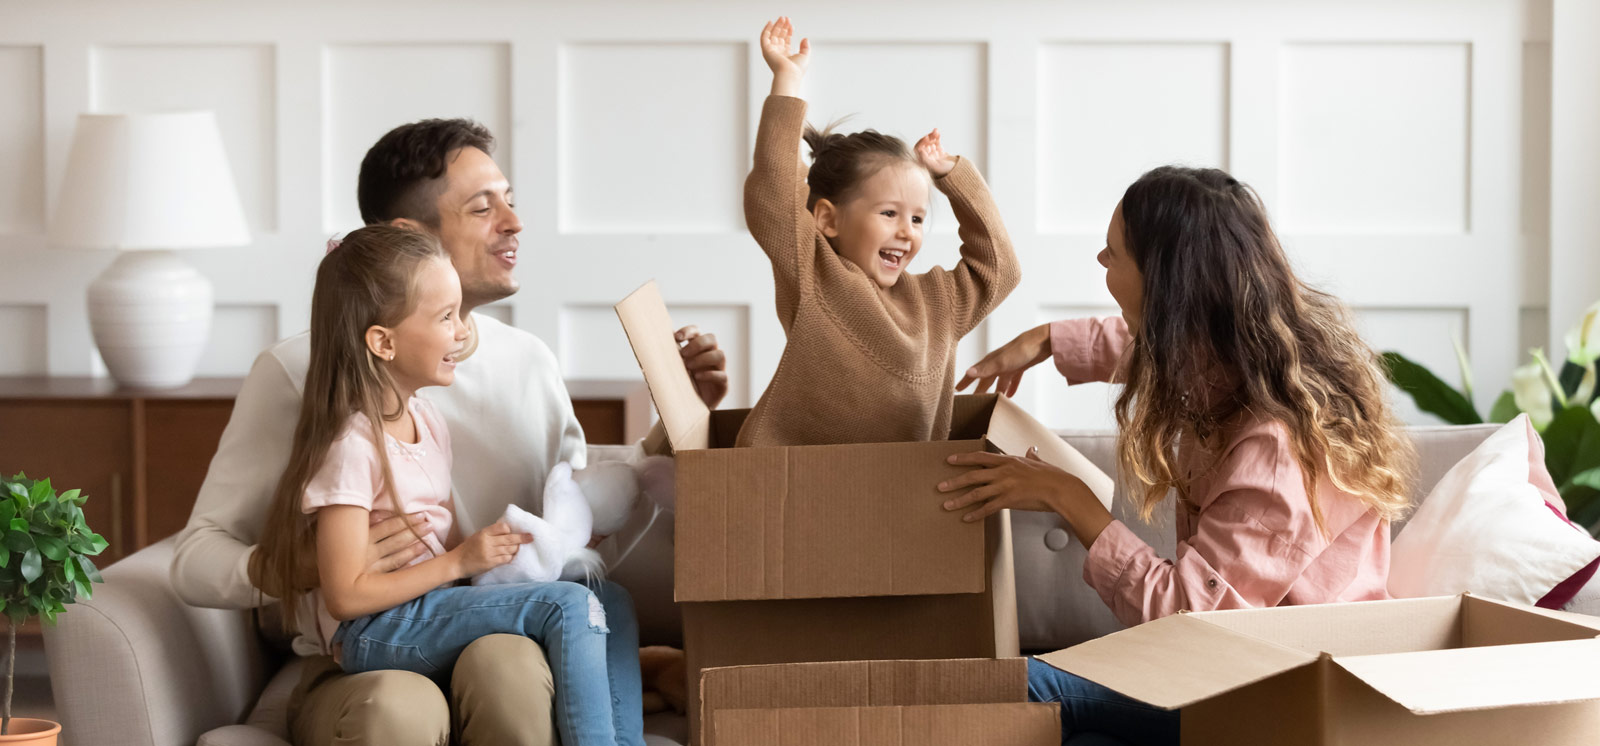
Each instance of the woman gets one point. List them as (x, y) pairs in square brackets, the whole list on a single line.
[(1246, 391)]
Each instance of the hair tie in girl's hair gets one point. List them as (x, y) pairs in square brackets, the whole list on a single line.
[(333, 243)]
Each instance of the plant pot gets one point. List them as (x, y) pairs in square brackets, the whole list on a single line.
[(32, 732)]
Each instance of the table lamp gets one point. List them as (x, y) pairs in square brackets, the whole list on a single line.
[(146, 184)]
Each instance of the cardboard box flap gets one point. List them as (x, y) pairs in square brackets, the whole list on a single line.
[(649, 328), (1009, 724), (1176, 661), (1481, 678), (865, 683), (1014, 431)]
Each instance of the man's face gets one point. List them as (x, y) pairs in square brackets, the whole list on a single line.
[(478, 227)]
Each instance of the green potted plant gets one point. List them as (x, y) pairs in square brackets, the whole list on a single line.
[(45, 547), (1563, 406)]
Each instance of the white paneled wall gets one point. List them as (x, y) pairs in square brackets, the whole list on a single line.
[(1403, 148)]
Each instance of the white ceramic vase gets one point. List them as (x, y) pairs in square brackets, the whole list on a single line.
[(150, 313)]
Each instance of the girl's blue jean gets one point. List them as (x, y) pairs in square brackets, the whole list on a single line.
[(590, 638), (1092, 715)]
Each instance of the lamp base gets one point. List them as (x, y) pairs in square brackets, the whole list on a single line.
[(150, 313)]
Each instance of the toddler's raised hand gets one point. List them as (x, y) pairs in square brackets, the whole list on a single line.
[(488, 549), (775, 38), (932, 154)]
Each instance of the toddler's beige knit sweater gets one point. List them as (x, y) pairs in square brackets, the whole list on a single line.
[(863, 364)]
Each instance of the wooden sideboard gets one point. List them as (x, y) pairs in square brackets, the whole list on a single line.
[(140, 455)]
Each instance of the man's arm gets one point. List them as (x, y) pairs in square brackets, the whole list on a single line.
[(210, 565)]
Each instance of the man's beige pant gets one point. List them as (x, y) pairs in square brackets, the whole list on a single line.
[(500, 693)]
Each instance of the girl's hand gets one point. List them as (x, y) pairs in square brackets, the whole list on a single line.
[(1001, 482), (787, 69), (932, 155), (1007, 364), (488, 549)]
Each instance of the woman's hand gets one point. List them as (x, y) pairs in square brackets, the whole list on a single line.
[(392, 542), (1006, 365), (787, 69), (1001, 482), (488, 549), (932, 156)]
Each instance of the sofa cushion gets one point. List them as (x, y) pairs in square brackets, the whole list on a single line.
[(1492, 526)]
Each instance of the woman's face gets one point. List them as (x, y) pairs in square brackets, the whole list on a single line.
[(1123, 277)]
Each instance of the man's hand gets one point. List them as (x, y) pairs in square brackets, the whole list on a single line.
[(392, 543), (706, 363)]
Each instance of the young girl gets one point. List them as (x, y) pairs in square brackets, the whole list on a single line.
[(871, 349), (385, 321), (1247, 392)]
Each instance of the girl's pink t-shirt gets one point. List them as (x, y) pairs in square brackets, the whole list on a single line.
[(351, 474), (1246, 534)]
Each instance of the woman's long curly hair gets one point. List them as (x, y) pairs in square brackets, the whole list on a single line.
[(1227, 328)]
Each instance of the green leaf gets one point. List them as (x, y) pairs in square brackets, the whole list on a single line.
[(99, 543), (19, 541), (1571, 376), (52, 548), (1504, 409), (19, 524), (19, 490), (40, 492), (71, 571), (8, 510), (1431, 394), (83, 586), (5, 559), (32, 566), (1571, 443), (89, 570), (72, 496), (1587, 478)]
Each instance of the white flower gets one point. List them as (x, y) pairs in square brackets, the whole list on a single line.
[(1532, 394), (1583, 341)]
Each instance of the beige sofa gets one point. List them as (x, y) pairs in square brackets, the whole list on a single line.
[(136, 666)]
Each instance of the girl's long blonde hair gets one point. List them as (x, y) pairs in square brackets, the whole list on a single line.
[(1227, 328), (369, 280)]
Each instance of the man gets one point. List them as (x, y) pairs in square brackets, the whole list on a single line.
[(510, 421)]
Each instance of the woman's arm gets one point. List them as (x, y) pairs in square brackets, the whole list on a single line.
[(1084, 350)]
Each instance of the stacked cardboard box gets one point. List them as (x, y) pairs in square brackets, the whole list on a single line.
[(1446, 671), (929, 703), (831, 553)]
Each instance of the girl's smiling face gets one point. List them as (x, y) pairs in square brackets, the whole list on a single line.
[(879, 227), (426, 341)]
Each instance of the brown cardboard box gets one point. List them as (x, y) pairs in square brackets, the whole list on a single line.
[(1451, 670), (877, 702), (831, 553)]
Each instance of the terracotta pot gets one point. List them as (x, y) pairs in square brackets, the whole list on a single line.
[(32, 732)]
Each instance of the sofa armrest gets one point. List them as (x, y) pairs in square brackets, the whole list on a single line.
[(136, 665)]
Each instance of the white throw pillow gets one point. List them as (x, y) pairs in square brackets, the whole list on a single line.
[(1487, 528)]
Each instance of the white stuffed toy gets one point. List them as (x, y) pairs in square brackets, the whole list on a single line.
[(578, 507)]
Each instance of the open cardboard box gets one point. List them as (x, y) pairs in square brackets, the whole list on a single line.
[(930, 703), (1451, 670), (831, 553)]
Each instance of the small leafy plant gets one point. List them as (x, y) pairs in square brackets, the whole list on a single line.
[(1563, 406), (45, 547)]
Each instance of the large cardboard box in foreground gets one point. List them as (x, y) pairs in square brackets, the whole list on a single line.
[(831, 553), (929, 703), (1452, 670)]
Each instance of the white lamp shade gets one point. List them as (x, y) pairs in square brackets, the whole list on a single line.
[(148, 181)]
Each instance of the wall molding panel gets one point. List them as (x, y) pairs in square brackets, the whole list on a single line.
[(1403, 149)]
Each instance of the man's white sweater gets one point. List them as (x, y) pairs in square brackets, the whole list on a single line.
[(510, 420)]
